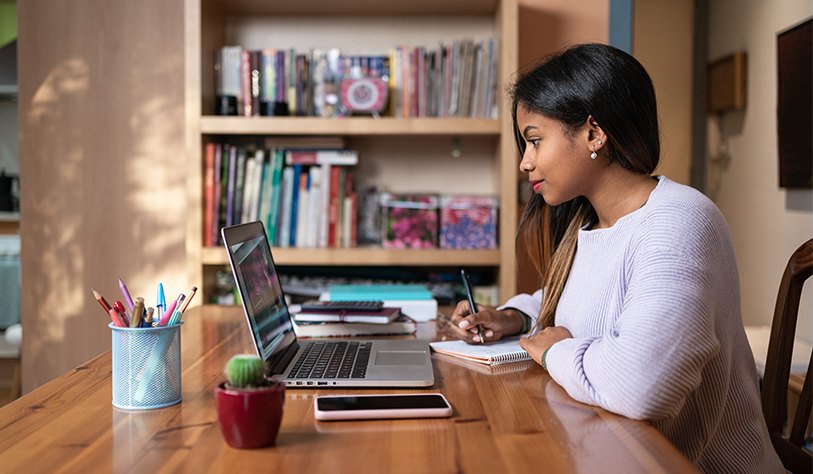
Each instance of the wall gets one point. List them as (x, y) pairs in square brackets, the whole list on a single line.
[(102, 169), (546, 26), (767, 222), (663, 42)]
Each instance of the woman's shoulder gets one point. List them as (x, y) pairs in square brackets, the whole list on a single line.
[(682, 215)]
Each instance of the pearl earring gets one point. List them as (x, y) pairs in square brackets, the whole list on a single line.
[(593, 155)]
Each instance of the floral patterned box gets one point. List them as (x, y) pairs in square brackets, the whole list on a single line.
[(468, 222), (409, 220)]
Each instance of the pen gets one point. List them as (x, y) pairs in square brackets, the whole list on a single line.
[(114, 315), (101, 300), (148, 317), (138, 310), (469, 294), (127, 298), (118, 307), (189, 298), (162, 301), (167, 314)]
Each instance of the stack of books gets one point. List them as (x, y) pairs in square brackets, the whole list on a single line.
[(344, 323), (414, 300)]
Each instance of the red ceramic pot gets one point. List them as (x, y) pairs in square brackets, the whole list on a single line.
[(250, 418)]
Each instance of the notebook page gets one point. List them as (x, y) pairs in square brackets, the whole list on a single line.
[(499, 352)]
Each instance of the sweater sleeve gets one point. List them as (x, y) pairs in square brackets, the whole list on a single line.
[(525, 303), (651, 359)]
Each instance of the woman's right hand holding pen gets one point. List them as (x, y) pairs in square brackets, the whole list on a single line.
[(496, 324)]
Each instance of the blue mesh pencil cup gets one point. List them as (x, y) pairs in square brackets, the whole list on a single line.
[(146, 367)]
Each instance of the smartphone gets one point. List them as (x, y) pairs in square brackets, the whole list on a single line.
[(372, 407), (315, 305)]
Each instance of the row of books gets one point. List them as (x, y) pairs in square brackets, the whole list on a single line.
[(451, 80), (304, 198)]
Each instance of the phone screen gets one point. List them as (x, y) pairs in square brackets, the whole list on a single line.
[(388, 402)]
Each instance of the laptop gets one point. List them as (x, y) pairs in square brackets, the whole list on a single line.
[(312, 363)]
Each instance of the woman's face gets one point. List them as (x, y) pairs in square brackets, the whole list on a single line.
[(558, 164)]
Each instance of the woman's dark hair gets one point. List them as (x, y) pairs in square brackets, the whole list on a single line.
[(587, 80)]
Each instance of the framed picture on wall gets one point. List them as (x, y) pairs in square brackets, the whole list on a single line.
[(795, 106)]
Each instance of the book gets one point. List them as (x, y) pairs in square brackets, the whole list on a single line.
[(385, 315), (214, 232), (401, 326), (503, 351), (321, 157), (418, 309), (287, 204), (379, 292), (209, 195)]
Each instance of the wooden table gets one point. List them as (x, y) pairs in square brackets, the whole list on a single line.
[(514, 418)]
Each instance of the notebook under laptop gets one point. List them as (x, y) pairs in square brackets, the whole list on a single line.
[(312, 363)]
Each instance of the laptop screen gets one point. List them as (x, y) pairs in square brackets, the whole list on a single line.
[(260, 289)]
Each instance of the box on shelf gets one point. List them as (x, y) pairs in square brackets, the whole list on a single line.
[(409, 220), (468, 222)]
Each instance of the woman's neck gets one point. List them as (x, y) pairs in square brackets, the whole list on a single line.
[(619, 193)]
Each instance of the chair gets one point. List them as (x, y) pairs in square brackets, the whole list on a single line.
[(777, 367)]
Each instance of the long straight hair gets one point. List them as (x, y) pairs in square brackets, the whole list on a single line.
[(587, 80)]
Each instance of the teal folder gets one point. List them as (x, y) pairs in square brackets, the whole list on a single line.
[(379, 292)]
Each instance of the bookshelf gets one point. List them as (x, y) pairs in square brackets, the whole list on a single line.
[(488, 161)]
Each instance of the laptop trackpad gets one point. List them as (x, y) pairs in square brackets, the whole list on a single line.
[(400, 358)]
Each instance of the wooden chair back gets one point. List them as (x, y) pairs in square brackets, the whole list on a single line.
[(777, 367)]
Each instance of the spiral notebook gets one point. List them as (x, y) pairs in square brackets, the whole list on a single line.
[(503, 351)]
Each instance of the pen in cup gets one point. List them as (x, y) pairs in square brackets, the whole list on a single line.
[(470, 296), (126, 294), (137, 317), (162, 301)]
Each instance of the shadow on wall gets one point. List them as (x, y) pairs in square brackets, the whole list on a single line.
[(104, 190)]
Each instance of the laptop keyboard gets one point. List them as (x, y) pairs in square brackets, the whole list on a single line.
[(332, 360)]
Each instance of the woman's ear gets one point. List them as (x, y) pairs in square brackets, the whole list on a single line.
[(596, 137)]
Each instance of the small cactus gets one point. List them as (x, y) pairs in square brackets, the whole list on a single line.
[(245, 370)]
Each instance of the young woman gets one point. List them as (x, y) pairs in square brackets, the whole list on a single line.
[(639, 310)]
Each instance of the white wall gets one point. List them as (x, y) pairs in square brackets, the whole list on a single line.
[(767, 222)]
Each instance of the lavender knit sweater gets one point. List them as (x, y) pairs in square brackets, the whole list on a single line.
[(653, 304)]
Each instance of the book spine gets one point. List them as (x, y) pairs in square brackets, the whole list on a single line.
[(302, 211), (255, 78), (287, 201), (216, 201), (324, 205), (333, 210), (265, 197), (256, 186), (348, 214), (340, 204), (321, 157), (239, 185), (247, 198), (275, 200), (314, 203), (231, 186), (295, 187), (209, 193), (245, 83)]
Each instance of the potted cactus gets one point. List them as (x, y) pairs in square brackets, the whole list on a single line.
[(249, 406)]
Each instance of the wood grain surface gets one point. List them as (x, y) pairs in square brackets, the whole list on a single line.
[(510, 418)]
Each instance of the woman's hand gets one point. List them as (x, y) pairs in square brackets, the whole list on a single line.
[(496, 324), (537, 344)]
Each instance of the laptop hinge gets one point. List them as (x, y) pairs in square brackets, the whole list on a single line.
[(282, 362)]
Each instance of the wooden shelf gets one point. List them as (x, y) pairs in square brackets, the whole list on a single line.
[(362, 126), (358, 7), (207, 28), (367, 256)]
